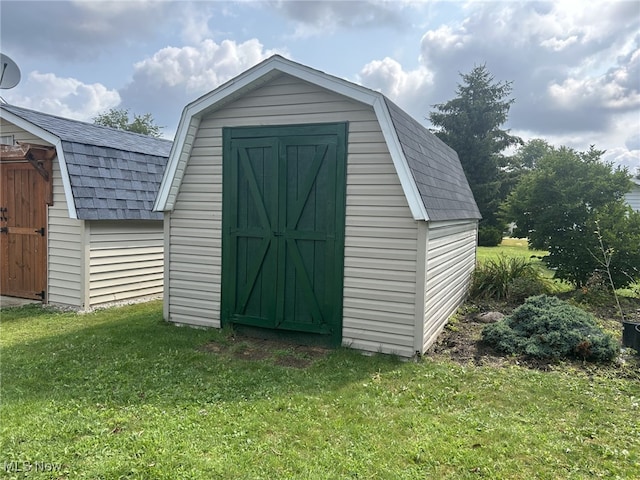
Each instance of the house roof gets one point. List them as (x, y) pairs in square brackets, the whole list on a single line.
[(429, 171), (107, 174)]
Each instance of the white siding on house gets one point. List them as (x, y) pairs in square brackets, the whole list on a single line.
[(125, 260), (380, 238), (633, 197), (64, 249), (450, 260)]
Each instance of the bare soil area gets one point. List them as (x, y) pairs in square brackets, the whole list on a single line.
[(277, 351), (461, 341)]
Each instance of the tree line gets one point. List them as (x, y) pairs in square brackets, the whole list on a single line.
[(570, 203)]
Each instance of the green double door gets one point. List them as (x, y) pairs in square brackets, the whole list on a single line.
[(283, 227)]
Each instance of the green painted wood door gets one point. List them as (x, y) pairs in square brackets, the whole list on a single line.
[(283, 227)]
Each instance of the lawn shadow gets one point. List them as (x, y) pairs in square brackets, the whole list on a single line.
[(123, 356)]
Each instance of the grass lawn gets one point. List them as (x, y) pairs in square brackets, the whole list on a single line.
[(519, 247), (121, 394), (510, 247)]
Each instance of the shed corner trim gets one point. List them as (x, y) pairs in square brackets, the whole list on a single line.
[(164, 200)]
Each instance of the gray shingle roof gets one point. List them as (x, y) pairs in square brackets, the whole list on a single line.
[(436, 169), (429, 171), (114, 174)]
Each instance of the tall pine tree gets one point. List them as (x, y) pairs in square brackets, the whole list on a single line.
[(471, 125)]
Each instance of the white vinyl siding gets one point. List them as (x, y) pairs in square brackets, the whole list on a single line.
[(194, 260), (380, 248), (633, 197), (125, 260), (380, 238), (8, 129), (66, 253), (450, 260)]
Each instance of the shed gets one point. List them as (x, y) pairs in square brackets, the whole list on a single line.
[(77, 223), (296, 201)]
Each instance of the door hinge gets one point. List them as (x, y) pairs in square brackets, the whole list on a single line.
[(41, 294), (4, 230), (40, 231)]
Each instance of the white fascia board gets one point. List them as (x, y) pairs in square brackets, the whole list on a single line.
[(57, 143), (343, 87), (407, 181), (162, 198), (334, 84)]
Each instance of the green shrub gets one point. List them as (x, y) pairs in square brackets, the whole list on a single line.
[(596, 291), (489, 236), (521, 288), (547, 327), (507, 278)]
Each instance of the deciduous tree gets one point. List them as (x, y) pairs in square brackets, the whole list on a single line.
[(562, 204), (119, 118)]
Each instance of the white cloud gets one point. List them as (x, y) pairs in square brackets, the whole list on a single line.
[(195, 23), (403, 87), (633, 141), (574, 93), (201, 68), (80, 30), (315, 17), (623, 158), (176, 76), (621, 141), (558, 44), (65, 97), (445, 38), (572, 69)]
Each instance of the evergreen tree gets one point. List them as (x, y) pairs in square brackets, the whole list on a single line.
[(471, 125)]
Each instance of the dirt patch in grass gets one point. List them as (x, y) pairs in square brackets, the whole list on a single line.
[(461, 341), (276, 351)]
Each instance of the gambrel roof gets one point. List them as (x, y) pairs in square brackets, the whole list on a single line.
[(429, 171), (108, 174)]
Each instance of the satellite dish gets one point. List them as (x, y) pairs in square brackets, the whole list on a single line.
[(9, 72)]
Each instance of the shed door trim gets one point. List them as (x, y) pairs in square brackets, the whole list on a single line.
[(25, 192), (284, 190)]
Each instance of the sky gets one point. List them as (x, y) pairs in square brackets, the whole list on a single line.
[(574, 66)]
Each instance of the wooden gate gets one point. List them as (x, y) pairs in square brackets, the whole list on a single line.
[(25, 188), (283, 227)]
